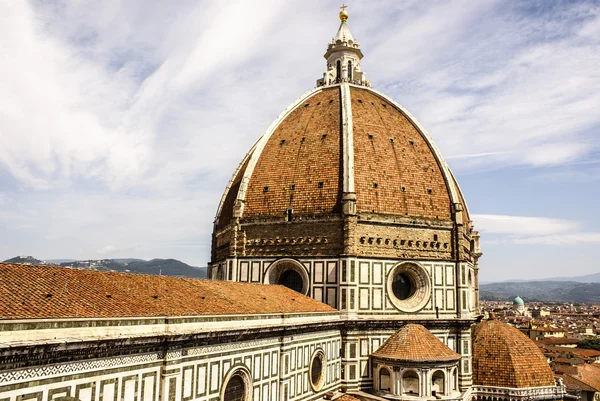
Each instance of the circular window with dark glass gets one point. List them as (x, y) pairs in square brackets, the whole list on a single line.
[(289, 273), (291, 279), (408, 286), (402, 286)]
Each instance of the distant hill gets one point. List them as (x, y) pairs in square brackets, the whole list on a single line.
[(25, 260), (165, 267), (588, 278), (59, 261), (558, 291)]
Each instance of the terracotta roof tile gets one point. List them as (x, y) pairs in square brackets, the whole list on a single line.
[(391, 152), (505, 357), (302, 151), (573, 383), (414, 343), (589, 374), (47, 292)]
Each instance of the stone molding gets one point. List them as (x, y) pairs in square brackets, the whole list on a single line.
[(557, 392)]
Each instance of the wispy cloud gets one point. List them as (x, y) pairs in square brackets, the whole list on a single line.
[(503, 229)]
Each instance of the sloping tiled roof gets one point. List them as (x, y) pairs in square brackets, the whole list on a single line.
[(573, 384), (414, 343), (47, 292), (589, 374), (505, 357)]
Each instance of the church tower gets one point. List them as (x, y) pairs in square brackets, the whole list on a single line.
[(345, 198)]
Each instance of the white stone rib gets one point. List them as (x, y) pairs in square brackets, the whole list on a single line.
[(438, 155), (260, 145), (347, 139), (230, 183)]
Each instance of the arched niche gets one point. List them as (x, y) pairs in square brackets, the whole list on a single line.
[(410, 383), (385, 380), (438, 383)]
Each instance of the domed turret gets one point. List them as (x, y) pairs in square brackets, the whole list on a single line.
[(413, 356), (505, 357)]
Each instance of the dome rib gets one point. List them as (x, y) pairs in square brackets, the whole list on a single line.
[(414, 343), (448, 178), (252, 156), (263, 141)]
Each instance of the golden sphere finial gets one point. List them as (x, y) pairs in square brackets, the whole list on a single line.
[(343, 13)]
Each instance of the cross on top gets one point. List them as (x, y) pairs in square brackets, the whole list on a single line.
[(343, 7)]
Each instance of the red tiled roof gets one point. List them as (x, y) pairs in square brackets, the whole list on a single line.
[(588, 374), (505, 357), (47, 292), (414, 343), (573, 384), (558, 341)]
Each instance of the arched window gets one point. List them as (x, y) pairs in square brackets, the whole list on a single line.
[(384, 379), (238, 387), (338, 67), (349, 70), (437, 383), (410, 383)]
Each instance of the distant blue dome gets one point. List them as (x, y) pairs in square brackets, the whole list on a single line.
[(518, 301)]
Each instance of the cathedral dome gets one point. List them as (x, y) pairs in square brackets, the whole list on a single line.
[(505, 357), (342, 139), (344, 155), (518, 301)]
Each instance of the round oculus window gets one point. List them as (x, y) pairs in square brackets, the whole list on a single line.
[(291, 279), (408, 287), (317, 370), (402, 286), (289, 273)]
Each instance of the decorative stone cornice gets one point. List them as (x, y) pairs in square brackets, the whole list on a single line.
[(556, 392)]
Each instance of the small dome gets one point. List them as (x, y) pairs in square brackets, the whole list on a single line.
[(505, 357), (414, 343), (518, 301)]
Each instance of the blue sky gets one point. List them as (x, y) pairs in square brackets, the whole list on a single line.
[(121, 122)]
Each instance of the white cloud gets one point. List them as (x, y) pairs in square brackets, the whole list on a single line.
[(503, 229), (521, 225)]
